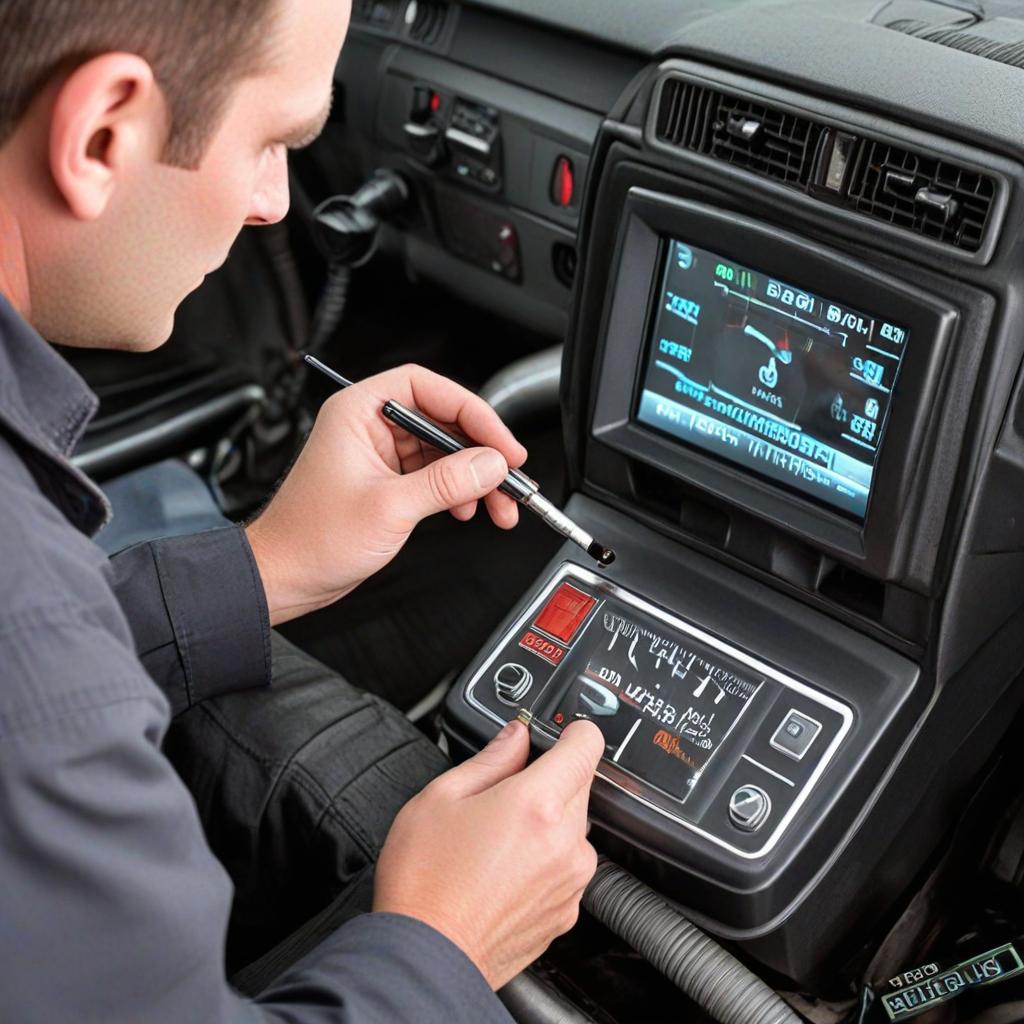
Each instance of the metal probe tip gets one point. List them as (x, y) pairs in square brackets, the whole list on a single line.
[(603, 556)]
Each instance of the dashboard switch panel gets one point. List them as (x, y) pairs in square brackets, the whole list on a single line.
[(695, 728)]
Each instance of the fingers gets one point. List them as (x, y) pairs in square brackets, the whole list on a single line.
[(464, 512), (502, 510), (449, 483), (503, 757), (567, 769), (445, 401)]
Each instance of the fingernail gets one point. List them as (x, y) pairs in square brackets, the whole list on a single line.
[(488, 468)]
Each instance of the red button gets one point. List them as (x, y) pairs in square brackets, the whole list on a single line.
[(564, 613), (563, 184)]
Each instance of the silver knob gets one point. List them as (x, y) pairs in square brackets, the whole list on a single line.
[(749, 808), (512, 683)]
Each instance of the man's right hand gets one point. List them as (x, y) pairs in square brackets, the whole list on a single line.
[(494, 854)]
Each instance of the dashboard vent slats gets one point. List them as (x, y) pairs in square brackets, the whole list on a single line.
[(929, 196), (923, 194), (768, 142)]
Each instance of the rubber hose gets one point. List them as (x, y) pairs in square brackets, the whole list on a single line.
[(534, 1000), (714, 979)]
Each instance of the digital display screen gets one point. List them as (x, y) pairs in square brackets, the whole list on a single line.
[(786, 383), (664, 702)]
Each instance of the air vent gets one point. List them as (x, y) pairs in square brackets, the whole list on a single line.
[(765, 141), (931, 197), (922, 194), (425, 21)]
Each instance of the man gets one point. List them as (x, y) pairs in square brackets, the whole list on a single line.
[(136, 138)]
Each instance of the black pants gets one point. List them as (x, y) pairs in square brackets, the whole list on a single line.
[(297, 786)]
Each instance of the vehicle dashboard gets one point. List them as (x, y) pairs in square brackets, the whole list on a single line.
[(844, 178)]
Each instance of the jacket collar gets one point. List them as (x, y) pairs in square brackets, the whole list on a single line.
[(45, 407)]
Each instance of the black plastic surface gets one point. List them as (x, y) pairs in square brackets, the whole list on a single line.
[(936, 585), (739, 894)]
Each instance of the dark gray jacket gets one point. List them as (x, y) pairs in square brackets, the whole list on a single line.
[(112, 908)]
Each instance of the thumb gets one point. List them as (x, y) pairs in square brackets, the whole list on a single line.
[(451, 481), (504, 756)]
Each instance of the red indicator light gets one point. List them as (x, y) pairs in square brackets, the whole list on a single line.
[(564, 613), (435, 102), (559, 718), (542, 646), (563, 185)]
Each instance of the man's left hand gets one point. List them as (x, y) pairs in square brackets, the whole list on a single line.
[(361, 484)]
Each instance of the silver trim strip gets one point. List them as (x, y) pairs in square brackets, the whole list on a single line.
[(615, 776), (629, 736), (770, 771)]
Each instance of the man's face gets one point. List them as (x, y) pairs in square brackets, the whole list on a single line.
[(116, 282)]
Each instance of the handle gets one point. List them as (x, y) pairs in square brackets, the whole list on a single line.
[(516, 485)]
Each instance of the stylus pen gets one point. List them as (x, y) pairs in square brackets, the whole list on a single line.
[(517, 485)]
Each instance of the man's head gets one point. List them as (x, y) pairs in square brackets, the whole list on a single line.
[(136, 138)]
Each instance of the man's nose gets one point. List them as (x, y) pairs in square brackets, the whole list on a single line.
[(270, 199)]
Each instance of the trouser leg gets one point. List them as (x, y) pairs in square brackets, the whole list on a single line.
[(297, 786)]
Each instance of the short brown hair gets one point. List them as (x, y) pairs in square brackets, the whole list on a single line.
[(198, 49)]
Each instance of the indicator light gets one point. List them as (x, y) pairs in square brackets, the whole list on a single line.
[(563, 184)]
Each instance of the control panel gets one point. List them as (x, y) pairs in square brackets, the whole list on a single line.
[(456, 135), (702, 732)]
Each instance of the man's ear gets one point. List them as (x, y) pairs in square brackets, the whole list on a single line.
[(108, 115)]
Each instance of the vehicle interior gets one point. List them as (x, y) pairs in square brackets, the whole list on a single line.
[(745, 277)]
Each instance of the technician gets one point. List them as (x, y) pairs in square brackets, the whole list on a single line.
[(135, 141)]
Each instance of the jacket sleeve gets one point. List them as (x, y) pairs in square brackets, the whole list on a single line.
[(114, 909), (197, 612)]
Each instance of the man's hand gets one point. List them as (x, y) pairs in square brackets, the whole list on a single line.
[(361, 484), (494, 855)]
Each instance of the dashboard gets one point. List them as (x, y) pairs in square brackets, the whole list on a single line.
[(779, 241)]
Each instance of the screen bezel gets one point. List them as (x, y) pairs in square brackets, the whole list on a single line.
[(664, 257), (649, 220)]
